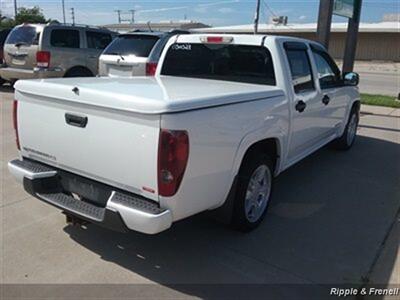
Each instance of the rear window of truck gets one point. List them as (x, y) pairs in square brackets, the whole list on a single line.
[(240, 63), (24, 35), (138, 45)]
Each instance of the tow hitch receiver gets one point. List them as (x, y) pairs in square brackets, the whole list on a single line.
[(75, 221)]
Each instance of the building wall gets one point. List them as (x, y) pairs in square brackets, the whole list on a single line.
[(371, 45)]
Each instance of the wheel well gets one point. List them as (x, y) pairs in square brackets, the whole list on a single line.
[(78, 69), (356, 105), (268, 146)]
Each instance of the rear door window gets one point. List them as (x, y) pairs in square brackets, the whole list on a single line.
[(300, 68), (240, 63), (65, 38), (24, 35), (139, 45), (97, 40)]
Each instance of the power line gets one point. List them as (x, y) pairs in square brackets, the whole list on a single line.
[(269, 9)]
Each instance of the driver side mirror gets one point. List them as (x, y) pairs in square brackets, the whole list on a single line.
[(351, 79)]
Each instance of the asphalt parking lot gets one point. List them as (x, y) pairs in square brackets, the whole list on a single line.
[(334, 219)]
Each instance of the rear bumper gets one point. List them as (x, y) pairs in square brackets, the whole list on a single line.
[(9, 73), (122, 211)]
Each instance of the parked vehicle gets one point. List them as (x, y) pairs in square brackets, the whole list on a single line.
[(53, 50), (135, 53), (3, 35), (223, 116)]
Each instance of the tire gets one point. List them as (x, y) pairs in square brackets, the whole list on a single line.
[(254, 167), (346, 141), (78, 72)]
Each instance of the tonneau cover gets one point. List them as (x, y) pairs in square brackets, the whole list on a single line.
[(147, 95)]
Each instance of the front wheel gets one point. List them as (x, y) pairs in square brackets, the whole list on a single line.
[(253, 192), (350, 132)]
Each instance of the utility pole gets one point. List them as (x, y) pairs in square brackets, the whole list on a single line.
[(324, 22), (63, 9), (73, 15), (15, 8), (351, 39), (133, 15), (257, 17), (118, 11)]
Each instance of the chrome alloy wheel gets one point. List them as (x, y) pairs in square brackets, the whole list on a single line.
[(257, 193)]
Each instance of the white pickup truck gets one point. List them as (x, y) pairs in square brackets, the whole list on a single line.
[(223, 116)]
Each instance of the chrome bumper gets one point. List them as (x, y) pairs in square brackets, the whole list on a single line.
[(135, 212), (9, 73)]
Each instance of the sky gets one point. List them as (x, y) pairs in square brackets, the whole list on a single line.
[(215, 13)]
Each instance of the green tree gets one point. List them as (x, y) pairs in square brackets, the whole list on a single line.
[(29, 15), (6, 23)]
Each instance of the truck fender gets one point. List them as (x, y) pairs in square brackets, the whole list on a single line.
[(355, 100), (253, 138), (223, 212)]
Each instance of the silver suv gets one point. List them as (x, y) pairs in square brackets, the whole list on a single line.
[(53, 50)]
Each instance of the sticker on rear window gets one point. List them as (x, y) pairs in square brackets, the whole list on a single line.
[(186, 47)]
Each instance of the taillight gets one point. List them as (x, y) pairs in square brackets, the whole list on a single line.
[(216, 39), (173, 154), (151, 69), (15, 122), (43, 59)]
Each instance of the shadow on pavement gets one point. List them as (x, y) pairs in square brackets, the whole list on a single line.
[(329, 217)]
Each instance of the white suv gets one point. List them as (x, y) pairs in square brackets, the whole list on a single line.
[(134, 54)]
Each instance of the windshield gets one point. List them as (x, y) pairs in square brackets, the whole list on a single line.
[(241, 63), (26, 35), (139, 45)]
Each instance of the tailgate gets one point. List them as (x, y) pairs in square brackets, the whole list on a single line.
[(122, 66), (115, 147)]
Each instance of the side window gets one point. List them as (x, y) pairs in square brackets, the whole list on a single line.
[(328, 72), (301, 70), (97, 40), (64, 38)]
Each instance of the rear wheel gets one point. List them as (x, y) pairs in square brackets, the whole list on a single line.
[(253, 192), (78, 72), (350, 132)]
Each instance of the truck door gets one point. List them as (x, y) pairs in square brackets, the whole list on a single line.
[(331, 92), (307, 127)]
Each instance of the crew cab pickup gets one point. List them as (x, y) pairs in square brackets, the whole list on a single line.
[(222, 117)]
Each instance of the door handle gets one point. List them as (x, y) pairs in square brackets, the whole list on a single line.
[(326, 99), (75, 120), (300, 106)]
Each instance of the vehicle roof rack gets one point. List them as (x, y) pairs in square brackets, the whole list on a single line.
[(55, 22)]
